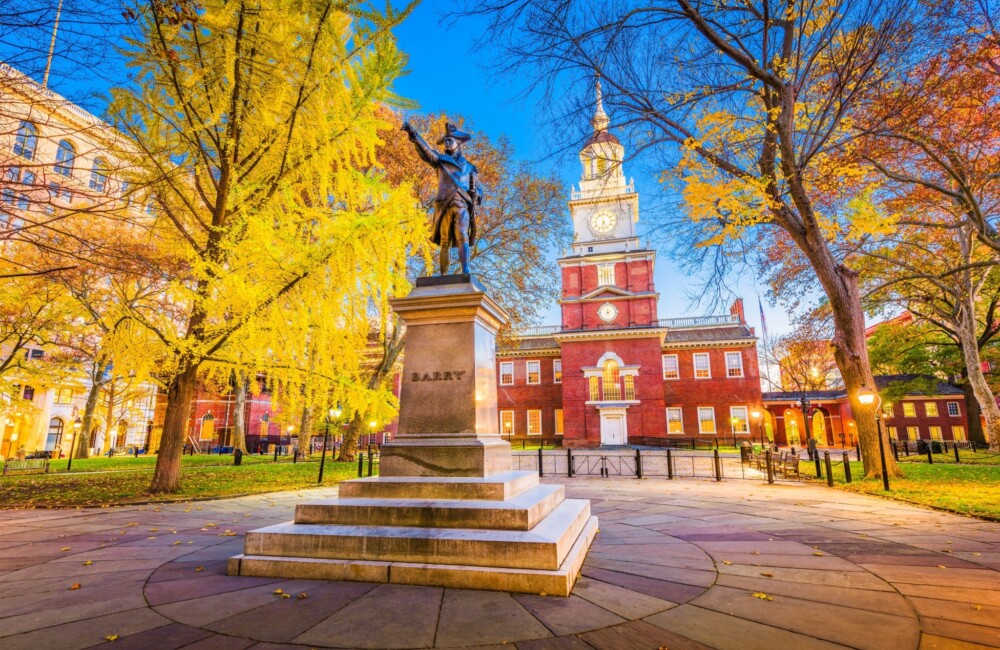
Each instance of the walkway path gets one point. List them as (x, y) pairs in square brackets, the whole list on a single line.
[(678, 565)]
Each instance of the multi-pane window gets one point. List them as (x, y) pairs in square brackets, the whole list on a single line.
[(606, 275), (958, 433), (702, 369), (909, 410), (557, 371), (559, 422), (887, 410), (65, 156), (706, 419), (99, 175), (931, 409), (612, 390), (534, 423), (506, 373), (734, 364), (675, 420), (935, 433), (953, 409), (893, 433), (64, 396), (7, 196), (23, 202), (26, 141), (594, 389), (629, 381), (671, 369), (534, 372), (738, 417), (507, 423), (913, 433)]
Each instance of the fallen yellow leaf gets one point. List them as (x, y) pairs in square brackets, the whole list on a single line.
[(88, 563), (286, 595), (302, 596), (818, 554), (726, 562), (767, 574), (111, 637), (277, 592), (64, 548), (76, 585), (199, 568), (761, 595), (977, 607), (941, 566)]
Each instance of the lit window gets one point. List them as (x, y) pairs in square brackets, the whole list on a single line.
[(99, 175), (629, 387), (26, 141), (935, 433), (887, 410), (671, 370), (64, 396), (931, 409), (738, 418), (557, 371), (507, 373), (734, 364), (913, 433), (675, 420), (534, 423), (534, 372), (958, 433), (507, 423), (893, 433), (65, 156), (612, 390), (909, 410), (706, 419), (594, 394), (953, 409), (702, 369), (559, 422), (606, 275)]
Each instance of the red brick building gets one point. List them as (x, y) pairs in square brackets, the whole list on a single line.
[(613, 372)]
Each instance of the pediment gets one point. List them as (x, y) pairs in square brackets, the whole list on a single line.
[(605, 292)]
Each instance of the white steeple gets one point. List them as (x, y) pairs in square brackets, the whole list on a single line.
[(600, 120)]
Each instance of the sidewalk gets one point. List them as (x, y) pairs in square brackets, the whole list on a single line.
[(677, 564)]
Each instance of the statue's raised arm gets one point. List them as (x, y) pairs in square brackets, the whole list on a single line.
[(457, 195)]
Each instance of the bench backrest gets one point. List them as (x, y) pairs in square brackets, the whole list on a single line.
[(29, 465)]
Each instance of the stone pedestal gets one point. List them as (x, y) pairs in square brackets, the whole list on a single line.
[(447, 510)]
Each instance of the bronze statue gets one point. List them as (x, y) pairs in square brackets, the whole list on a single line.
[(457, 196)]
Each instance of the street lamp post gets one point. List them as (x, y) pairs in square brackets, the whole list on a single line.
[(732, 428), (332, 415), (77, 424), (867, 396)]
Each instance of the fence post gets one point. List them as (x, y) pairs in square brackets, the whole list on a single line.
[(371, 459), (361, 464), (819, 468), (895, 449), (295, 456), (973, 446), (718, 464), (670, 465), (847, 467), (638, 464), (857, 449), (957, 459), (540, 461), (930, 454), (770, 468), (829, 468), (906, 447), (276, 453), (569, 463)]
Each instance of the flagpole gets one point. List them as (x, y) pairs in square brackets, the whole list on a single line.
[(52, 46)]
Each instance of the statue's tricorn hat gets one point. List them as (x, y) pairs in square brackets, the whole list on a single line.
[(450, 130)]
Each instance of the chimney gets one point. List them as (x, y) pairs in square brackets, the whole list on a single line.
[(737, 310)]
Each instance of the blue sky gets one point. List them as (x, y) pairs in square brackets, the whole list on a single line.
[(494, 107)]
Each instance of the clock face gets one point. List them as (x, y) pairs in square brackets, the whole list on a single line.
[(603, 223), (607, 312)]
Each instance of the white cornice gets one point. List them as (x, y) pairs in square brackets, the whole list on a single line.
[(728, 343), (603, 335)]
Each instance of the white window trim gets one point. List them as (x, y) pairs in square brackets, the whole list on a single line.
[(556, 376), (509, 364), (746, 419), (539, 412), (677, 365), (958, 410), (680, 413), (602, 271), (694, 362), (715, 425), (555, 421), (913, 405), (934, 405), (527, 372), (512, 429), (739, 356)]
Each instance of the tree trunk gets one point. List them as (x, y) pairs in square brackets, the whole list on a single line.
[(972, 412), (83, 446), (305, 429), (967, 335), (109, 420), (167, 476), (349, 447), (239, 419)]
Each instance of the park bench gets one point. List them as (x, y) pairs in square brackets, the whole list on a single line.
[(790, 466), (26, 466)]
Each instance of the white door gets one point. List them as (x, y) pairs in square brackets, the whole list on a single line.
[(613, 430)]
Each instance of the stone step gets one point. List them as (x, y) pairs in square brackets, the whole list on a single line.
[(497, 487), (557, 582), (521, 512), (543, 547)]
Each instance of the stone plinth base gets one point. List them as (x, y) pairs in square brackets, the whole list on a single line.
[(454, 455), (505, 532)]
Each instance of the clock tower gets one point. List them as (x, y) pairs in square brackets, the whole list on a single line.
[(610, 335)]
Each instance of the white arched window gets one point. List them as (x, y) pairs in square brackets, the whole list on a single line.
[(99, 175), (54, 439), (26, 141), (65, 157), (611, 385)]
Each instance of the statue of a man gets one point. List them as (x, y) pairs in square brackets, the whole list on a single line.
[(457, 195)]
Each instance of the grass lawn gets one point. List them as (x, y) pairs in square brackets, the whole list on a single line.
[(971, 487), (200, 478)]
